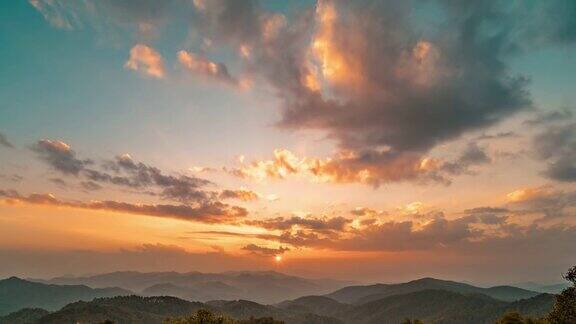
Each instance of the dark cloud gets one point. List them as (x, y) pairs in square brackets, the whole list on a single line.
[(312, 223), (90, 186), (265, 251), (60, 156), (557, 146), (212, 212), (544, 118), (4, 141), (240, 194), (375, 80), (58, 181), (402, 91), (133, 174), (544, 201), (499, 135), (11, 177), (473, 155)]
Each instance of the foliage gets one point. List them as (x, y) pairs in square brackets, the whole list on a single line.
[(564, 310), (409, 321), (516, 318), (206, 317)]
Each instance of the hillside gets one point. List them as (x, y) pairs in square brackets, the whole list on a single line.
[(24, 316), (320, 305), (440, 306), (16, 293), (364, 294), (154, 310)]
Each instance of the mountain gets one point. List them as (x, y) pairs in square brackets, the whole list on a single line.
[(24, 316), (364, 294), (441, 306), (154, 310), (197, 292), (16, 293), (543, 288), (259, 286), (320, 305)]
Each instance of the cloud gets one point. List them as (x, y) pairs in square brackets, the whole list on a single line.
[(324, 224), (545, 201), (473, 155), (60, 156), (240, 194), (500, 135), (212, 212), (90, 186), (59, 181), (402, 91), (371, 167), (265, 251), (146, 60), (54, 12), (201, 66), (557, 146), (388, 236), (139, 19), (544, 118), (4, 141), (367, 167), (125, 172), (11, 177)]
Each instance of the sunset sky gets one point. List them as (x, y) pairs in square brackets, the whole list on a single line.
[(366, 140)]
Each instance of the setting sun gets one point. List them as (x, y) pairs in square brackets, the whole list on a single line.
[(278, 258)]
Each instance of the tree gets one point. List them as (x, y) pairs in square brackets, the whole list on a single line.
[(515, 318), (206, 317), (564, 310), (409, 321)]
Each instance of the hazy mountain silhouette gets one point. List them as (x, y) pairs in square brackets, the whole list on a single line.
[(543, 288), (16, 293), (260, 286), (364, 294)]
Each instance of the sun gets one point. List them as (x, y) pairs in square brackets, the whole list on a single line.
[(278, 258)]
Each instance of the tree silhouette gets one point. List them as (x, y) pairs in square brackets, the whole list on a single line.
[(206, 317), (516, 318), (564, 310)]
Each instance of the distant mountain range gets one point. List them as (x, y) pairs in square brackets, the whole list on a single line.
[(428, 299), (364, 294), (259, 286), (16, 294)]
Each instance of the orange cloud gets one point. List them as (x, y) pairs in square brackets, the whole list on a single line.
[(345, 167), (240, 194), (146, 60), (202, 66), (210, 212)]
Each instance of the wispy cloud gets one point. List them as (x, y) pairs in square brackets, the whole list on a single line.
[(212, 212), (5, 142)]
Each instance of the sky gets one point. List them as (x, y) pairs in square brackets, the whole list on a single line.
[(375, 141)]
